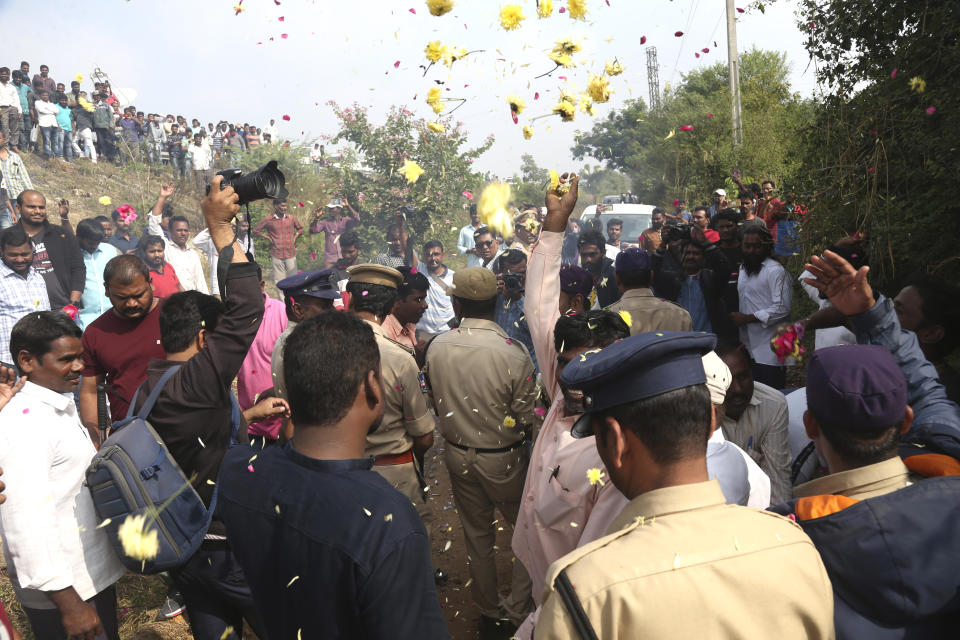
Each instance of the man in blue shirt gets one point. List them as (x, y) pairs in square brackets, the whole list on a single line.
[(511, 282), (96, 255), (329, 548)]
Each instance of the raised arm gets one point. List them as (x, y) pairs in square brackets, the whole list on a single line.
[(154, 217), (542, 297)]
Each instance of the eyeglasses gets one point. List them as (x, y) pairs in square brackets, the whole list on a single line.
[(485, 243)]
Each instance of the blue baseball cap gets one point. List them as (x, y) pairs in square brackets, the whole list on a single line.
[(638, 367)]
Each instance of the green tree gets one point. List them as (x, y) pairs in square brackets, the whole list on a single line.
[(370, 174), (664, 162)]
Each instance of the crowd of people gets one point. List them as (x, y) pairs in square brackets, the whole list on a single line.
[(620, 403), (42, 116)]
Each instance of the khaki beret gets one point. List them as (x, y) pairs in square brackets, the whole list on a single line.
[(474, 283), (375, 274)]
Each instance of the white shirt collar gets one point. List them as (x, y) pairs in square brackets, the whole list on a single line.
[(62, 402)]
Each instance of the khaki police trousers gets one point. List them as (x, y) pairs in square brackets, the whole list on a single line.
[(481, 483), (403, 478)]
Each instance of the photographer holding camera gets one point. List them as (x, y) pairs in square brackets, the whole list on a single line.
[(511, 282), (692, 272), (400, 250)]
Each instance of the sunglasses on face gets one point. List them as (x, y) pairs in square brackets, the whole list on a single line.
[(485, 243)]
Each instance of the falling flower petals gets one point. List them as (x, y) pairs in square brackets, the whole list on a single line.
[(893, 74), (686, 127), (643, 39), (411, 171), (468, 195), (931, 110), (544, 8), (287, 118), (517, 105), (739, 10), (527, 132), (439, 7), (577, 9), (627, 318), (511, 16), (492, 208), (283, 35), (678, 34), (509, 422), (105, 201), (280, 19), (595, 476), (396, 65), (918, 84), (137, 543), (709, 115), (598, 88), (412, 10), (436, 127), (671, 134), (613, 67)]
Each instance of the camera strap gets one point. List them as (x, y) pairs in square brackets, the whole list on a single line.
[(226, 257)]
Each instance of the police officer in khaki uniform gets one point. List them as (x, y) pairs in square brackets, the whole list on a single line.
[(677, 562), (647, 312), (406, 431), (483, 387)]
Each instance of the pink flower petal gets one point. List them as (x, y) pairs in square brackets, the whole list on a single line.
[(313, 255), (705, 50), (562, 10), (25, 411), (413, 269), (280, 19), (536, 96), (468, 195), (686, 127), (283, 35), (250, 468), (678, 34), (697, 54), (709, 115), (643, 39), (540, 411), (739, 10), (412, 10), (931, 110), (396, 65), (299, 204), (287, 118), (893, 74)]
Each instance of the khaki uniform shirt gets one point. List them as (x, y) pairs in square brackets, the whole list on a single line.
[(870, 481), (276, 361), (405, 413), (478, 378), (762, 431), (680, 563), (650, 313)]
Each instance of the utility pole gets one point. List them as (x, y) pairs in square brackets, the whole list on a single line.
[(733, 58), (653, 79)]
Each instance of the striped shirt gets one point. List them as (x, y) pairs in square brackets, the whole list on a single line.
[(16, 180), (282, 233), (18, 296), (439, 307)]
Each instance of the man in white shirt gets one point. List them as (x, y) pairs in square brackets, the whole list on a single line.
[(440, 277), (185, 259), (202, 160), (271, 130), (466, 245), (756, 420), (204, 242), (765, 293), (62, 566), (10, 108)]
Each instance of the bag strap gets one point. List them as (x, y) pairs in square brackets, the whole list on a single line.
[(443, 285), (154, 394), (236, 417), (572, 604)]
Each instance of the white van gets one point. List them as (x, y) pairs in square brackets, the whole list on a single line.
[(636, 219)]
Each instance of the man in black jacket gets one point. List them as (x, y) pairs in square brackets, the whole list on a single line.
[(697, 288), (56, 254), (193, 415)]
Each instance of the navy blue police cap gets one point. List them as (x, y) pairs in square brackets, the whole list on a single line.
[(633, 259), (857, 387), (317, 284), (638, 367)]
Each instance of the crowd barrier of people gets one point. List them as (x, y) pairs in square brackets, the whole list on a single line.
[(623, 405)]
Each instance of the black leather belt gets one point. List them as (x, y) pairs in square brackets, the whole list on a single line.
[(515, 445)]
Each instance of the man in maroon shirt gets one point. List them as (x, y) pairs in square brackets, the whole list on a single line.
[(282, 230), (118, 344)]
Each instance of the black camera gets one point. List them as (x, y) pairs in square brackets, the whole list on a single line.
[(678, 231), (513, 281), (265, 182)]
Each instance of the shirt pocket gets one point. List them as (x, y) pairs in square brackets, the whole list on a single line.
[(560, 505)]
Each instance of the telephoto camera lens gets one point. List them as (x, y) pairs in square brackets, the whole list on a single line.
[(266, 182)]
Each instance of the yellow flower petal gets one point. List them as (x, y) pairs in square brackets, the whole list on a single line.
[(918, 84), (517, 105), (598, 88), (411, 171), (613, 67), (527, 132), (433, 50), (105, 201), (439, 7), (509, 422), (577, 9), (627, 318), (492, 208), (545, 8), (511, 16), (566, 110), (594, 476), (137, 543), (436, 127)]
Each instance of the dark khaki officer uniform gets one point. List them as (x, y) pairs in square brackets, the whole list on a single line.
[(405, 414), (678, 562), (650, 313), (484, 388)]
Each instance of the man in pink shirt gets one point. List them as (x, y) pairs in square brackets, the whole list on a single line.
[(401, 324), (561, 510), (255, 377), (333, 226)]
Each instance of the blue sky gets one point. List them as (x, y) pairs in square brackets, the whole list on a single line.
[(197, 59)]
